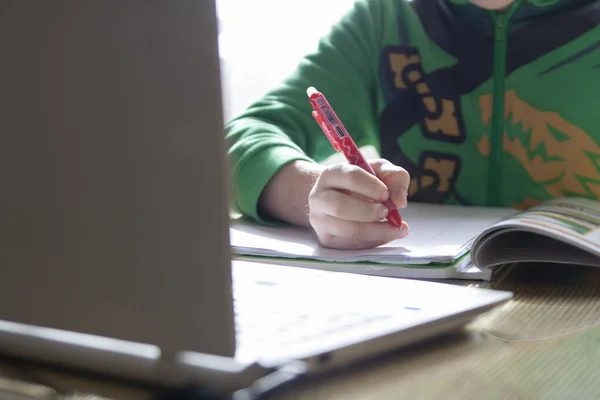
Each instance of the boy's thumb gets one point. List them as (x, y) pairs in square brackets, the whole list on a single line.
[(396, 178)]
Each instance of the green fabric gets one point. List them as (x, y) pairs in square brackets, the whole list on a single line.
[(545, 143), (501, 23)]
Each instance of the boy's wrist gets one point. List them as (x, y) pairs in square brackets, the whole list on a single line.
[(285, 197)]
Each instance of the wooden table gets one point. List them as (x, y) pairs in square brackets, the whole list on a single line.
[(544, 344)]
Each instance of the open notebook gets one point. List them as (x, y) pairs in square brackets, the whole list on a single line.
[(437, 247)]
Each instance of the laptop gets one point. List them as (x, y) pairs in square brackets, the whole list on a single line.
[(115, 211)]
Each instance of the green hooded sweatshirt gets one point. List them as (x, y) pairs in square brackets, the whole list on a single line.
[(481, 108)]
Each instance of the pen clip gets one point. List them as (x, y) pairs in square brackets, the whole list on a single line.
[(319, 118)]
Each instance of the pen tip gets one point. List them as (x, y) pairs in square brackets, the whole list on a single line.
[(310, 91)]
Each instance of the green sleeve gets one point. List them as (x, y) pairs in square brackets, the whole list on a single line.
[(279, 128)]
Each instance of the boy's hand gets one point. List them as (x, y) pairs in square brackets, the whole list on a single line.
[(346, 205)]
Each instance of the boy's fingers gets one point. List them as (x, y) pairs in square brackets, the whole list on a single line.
[(334, 242), (347, 206), (343, 234), (396, 179), (353, 179)]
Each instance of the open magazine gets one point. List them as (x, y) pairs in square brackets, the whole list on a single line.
[(565, 230)]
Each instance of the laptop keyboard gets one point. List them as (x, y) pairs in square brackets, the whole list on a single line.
[(283, 309), (276, 326)]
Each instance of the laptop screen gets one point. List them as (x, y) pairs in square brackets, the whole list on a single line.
[(114, 216)]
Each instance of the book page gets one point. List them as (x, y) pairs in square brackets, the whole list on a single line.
[(560, 230), (572, 219), (512, 246)]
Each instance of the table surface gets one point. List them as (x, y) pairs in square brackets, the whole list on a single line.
[(543, 344)]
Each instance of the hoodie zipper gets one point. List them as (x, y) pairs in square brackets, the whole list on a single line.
[(501, 21)]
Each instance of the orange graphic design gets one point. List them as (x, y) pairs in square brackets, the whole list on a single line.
[(399, 63), (441, 114), (484, 145), (555, 153), (527, 203), (420, 183), (444, 169), (446, 123), (438, 171)]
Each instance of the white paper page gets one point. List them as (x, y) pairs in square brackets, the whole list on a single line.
[(445, 230), (438, 233), (463, 269)]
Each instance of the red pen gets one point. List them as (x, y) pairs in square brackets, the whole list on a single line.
[(341, 141)]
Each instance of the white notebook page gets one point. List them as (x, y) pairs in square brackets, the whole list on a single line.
[(438, 233)]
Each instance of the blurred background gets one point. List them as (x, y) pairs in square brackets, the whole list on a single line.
[(261, 42)]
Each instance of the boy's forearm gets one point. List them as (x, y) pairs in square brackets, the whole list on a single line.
[(286, 196)]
